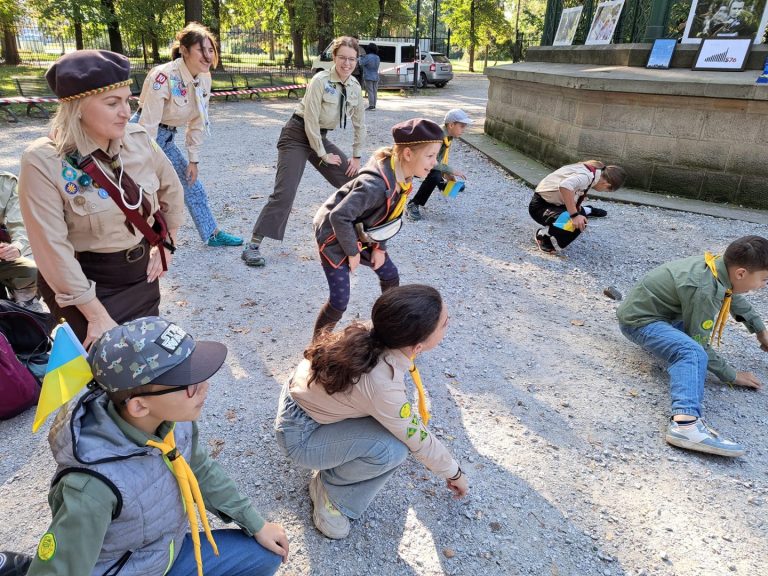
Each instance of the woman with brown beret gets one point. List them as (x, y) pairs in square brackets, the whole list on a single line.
[(100, 200)]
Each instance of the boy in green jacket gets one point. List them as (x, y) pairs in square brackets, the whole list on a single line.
[(678, 311)]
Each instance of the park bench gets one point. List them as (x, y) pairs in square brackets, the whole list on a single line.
[(286, 79), (257, 80), (34, 87), (6, 107), (137, 82)]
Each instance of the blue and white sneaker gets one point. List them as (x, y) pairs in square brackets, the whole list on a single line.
[(699, 437)]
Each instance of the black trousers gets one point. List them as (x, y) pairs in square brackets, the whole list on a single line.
[(433, 180), (545, 214)]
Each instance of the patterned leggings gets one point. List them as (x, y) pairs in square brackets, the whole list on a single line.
[(338, 278)]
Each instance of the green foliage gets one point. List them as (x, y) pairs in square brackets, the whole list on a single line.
[(490, 23)]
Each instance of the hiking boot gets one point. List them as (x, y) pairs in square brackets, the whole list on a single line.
[(327, 518), (544, 242), (595, 212), (252, 256), (412, 211), (222, 238), (699, 437)]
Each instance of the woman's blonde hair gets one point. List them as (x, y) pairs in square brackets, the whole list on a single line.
[(66, 129)]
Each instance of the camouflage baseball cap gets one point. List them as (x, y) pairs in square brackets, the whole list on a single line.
[(152, 351)]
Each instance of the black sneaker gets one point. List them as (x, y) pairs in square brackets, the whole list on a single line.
[(412, 212), (596, 212), (544, 242)]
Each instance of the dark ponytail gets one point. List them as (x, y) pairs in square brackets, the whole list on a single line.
[(402, 317)]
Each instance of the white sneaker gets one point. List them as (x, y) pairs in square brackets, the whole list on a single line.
[(699, 437), (328, 519)]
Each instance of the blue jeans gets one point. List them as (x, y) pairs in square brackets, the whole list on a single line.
[(195, 196), (686, 359), (239, 555), (356, 456)]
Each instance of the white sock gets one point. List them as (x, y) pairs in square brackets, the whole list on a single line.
[(587, 210)]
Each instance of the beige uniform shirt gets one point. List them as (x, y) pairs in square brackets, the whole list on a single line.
[(63, 216), (169, 96), (320, 109), (10, 213), (380, 394), (575, 177)]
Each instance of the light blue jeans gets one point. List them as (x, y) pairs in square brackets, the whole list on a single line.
[(686, 362), (239, 555), (356, 456), (195, 196)]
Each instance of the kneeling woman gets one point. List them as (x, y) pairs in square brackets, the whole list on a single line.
[(345, 411)]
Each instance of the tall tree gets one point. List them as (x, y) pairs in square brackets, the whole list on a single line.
[(324, 23), (476, 23), (10, 12), (193, 11), (113, 26)]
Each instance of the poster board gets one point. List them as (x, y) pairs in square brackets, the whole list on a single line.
[(605, 21), (661, 53), (723, 54), (726, 19), (569, 22)]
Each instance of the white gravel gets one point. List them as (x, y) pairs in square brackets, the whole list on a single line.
[(556, 418)]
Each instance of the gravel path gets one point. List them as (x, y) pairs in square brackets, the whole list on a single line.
[(557, 419)]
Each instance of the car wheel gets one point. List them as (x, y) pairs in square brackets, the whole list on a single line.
[(422, 80)]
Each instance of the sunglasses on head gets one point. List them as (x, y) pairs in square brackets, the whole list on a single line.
[(191, 390)]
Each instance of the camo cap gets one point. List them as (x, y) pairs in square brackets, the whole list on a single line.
[(151, 350)]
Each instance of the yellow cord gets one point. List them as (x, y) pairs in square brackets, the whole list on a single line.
[(722, 316), (423, 409)]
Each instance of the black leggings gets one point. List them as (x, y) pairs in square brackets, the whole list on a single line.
[(433, 180), (545, 214)]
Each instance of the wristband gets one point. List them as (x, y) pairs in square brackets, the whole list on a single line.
[(458, 475), (574, 214)]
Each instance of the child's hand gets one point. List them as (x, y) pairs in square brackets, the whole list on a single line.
[(377, 259), (458, 174), (273, 538), (747, 380)]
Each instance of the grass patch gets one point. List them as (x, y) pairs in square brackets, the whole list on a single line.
[(7, 86)]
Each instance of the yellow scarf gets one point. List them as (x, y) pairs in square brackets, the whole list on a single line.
[(725, 309), (405, 189), (190, 494), (447, 144), (423, 409)]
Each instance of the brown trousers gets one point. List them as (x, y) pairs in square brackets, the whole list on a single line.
[(121, 287), (293, 152)]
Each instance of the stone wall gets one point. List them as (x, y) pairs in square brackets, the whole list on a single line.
[(668, 137)]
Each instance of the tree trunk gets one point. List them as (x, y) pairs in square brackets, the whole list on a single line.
[(271, 36), (193, 11), (472, 36), (113, 26), (10, 48), (215, 27), (297, 37), (77, 18), (324, 9), (380, 18)]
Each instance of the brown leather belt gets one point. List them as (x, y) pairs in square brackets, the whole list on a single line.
[(131, 255), (300, 120)]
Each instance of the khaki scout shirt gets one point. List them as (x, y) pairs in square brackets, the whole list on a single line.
[(381, 394), (575, 177), (168, 97), (320, 109), (10, 213), (64, 217)]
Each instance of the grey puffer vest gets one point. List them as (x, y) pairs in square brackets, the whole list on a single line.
[(150, 523)]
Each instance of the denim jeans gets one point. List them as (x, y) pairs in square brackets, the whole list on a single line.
[(239, 555), (686, 359), (195, 196), (356, 456)]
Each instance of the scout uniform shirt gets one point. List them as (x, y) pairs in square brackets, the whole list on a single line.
[(66, 213), (575, 177), (687, 290), (320, 109), (380, 394), (171, 96), (10, 213)]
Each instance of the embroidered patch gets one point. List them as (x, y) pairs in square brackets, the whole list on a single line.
[(161, 78), (103, 193), (330, 87), (422, 435), (46, 549), (171, 338), (69, 174), (410, 432), (71, 188), (707, 324), (156, 86), (405, 410)]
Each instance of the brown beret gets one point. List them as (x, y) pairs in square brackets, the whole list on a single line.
[(417, 131), (86, 72)]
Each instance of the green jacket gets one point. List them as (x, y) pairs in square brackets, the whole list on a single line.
[(686, 290), (444, 167), (10, 213)]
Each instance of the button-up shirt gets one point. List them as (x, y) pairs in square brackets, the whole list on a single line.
[(10, 213)]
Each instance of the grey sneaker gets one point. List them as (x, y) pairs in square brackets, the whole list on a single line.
[(412, 211), (699, 437), (328, 519), (252, 256)]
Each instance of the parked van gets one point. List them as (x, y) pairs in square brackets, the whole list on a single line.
[(397, 61)]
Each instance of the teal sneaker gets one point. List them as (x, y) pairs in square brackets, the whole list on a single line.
[(222, 238), (699, 437)]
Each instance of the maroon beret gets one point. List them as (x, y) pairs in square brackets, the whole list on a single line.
[(417, 131), (85, 72)]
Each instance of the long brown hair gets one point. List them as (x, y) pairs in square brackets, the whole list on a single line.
[(615, 175), (401, 317), (194, 33)]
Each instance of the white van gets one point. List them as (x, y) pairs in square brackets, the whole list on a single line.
[(397, 61)]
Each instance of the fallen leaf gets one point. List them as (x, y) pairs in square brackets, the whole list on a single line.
[(633, 392), (181, 303), (248, 302), (217, 445), (230, 415), (577, 322), (495, 527), (448, 552)]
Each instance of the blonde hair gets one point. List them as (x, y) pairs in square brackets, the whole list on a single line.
[(194, 33), (66, 130), (347, 41)]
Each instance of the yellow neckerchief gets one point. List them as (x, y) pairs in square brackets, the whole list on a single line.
[(447, 143), (423, 409), (190, 494), (405, 189), (725, 309)]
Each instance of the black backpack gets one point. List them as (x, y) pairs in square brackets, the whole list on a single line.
[(28, 333)]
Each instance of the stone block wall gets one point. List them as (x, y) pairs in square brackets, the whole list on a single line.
[(713, 149)]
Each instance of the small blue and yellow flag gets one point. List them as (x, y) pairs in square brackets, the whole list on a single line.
[(67, 372)]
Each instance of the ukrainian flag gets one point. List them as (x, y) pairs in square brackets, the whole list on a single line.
[(67, 372)]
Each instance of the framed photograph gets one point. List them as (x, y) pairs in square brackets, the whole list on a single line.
[(605, 21), (723, 54), (661, 53), (566, 30), (726, 19)]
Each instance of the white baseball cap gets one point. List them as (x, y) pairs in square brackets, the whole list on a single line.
[(457, 115)]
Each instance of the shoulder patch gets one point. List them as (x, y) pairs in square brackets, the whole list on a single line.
[(46, 549), (161, 78), (707, 324)]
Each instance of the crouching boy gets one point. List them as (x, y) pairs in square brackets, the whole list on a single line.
[(132, 470), (678, 311)]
